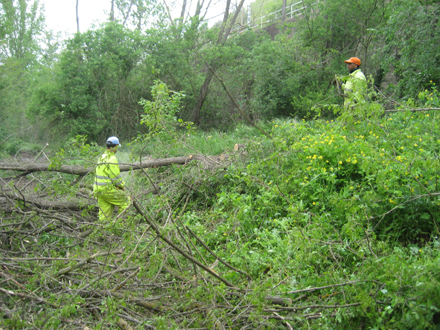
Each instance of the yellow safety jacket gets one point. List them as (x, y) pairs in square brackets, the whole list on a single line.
[(355, 87), (108, 175)]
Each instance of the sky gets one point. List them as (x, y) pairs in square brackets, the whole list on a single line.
[(61, 14)]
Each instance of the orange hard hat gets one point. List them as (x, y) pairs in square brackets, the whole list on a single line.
[(354, 60)]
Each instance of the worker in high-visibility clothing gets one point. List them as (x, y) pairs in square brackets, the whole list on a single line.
[(109, 187), (355, 88)]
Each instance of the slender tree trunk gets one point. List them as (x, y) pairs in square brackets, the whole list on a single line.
[(77, 17), (182, 13), (195, 118), (222, 37), (169, 13), (234, 19), (112, 11), (128, 13)]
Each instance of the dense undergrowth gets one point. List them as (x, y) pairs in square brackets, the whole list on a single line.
[(338, 219), (329, 202)]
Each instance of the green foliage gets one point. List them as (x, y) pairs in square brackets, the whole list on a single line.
[(21, 25), (430, 98), (13, 146), (351, 29), (362, 185), (362, 164), (76, 150), (21, 29), (277, 82), (344, 206), (138, 13), (161, 114), (408, 49), (94, 91), (349, 204), (101, 75)]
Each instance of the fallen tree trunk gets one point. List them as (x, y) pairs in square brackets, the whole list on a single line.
[(81, 170), (46, 204)]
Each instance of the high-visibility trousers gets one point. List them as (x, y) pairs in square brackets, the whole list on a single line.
[(109, 198)]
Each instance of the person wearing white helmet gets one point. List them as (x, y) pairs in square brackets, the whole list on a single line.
[(109, 187)]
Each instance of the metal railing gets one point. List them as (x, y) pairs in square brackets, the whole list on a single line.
[(293, 10)]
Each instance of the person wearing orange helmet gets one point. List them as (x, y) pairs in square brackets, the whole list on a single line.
[(355, 87)]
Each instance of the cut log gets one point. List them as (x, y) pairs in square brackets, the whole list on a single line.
[(123, 325), (45, 204), (239, 146), (80, 170)]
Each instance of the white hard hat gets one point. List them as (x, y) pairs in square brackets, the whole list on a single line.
[(113, 141)]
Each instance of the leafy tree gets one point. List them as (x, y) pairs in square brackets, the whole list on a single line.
[(21, 29), (137, 13), (97, 85), (411, 49), (177, 61), (336, 30), (21, 25), (182, 53), (222, 37), (285, 81)]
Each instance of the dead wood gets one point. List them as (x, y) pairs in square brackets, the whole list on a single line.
[(46, 204), (123, 325), (119, 286), (27, 296), (152, 303), (83, 262), (283, 319), (239, 146), (279, 300), (412, 110), (176, 274), (323, 287), (37, 241), (311, 307), (217, 257), (176, 248), (7, 314), (81, 170)]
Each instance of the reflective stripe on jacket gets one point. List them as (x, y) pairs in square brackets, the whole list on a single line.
[(108, 174)]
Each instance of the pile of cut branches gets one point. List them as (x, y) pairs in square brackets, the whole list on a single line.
[(62, 268)]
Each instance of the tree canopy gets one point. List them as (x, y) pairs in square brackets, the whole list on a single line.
[(92, 83)]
